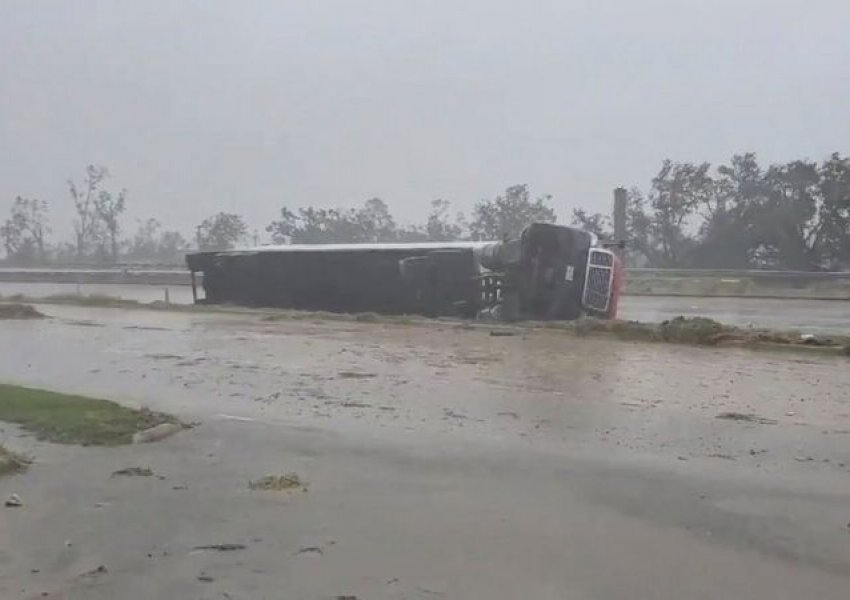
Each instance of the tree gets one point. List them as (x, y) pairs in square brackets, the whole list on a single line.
[(108, 209), (369, 224), (596, 223), (25, 230), (676, 192), (509, 214), (84, 196), (834, 213), (439, 227), (150, 243), (222, 231), (786, 226), (376, 222)]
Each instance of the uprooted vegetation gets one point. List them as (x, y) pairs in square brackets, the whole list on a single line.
[(705, 332), (70, 419), (681, 330), (278, 483), (12, 462), (19, 311)]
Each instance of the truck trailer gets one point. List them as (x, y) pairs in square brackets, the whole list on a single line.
[(548, 272)]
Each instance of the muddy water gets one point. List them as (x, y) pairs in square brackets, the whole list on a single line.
[(442, 463), (539, 387)]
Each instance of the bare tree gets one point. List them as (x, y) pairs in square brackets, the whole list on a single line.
[(84, 197), (109, 209)]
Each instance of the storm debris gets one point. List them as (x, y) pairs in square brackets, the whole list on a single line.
[(695, 330), (310, 550), (12, 462), (19, 311), (502, 333), (355, 405), (156, 433), (133, 472), (356, 375), (747, 417), (101, 570), (278, 483), (222, 547), (14, 500)]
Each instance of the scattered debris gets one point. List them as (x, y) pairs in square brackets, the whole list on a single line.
[(156, 433), (721, 455), (695, 330), (804, 459), (345, 597), (508, 413), (355, 405), (164, 356), (449, 413), (356, 375), (222, 547), (310, 550), (502, 333), (14, 500), (205, 578), (813, 340), (101, 570), (748, 417), (20, 311), (12, 462), (278, 483), (368, 317), (236, 418), (133, 472)]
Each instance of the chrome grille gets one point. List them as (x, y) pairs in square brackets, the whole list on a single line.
[(603, 259), (598, 280)]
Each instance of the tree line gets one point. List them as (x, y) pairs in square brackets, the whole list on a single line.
[(738, 215)]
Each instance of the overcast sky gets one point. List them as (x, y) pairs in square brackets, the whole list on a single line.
[(244, 106)]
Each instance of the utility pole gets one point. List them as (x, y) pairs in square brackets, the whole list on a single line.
[(620, 203)]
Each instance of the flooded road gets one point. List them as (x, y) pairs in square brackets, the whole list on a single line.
[(442, 462), (810, 316)]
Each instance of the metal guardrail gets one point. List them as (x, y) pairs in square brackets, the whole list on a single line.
[(175, 270), (737, 274)]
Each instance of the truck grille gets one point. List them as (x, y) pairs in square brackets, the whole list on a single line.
[(598, 280)]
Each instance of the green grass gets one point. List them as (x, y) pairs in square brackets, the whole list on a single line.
[(69, 419)]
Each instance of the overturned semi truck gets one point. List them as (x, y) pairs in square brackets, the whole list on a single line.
[(549, 272)]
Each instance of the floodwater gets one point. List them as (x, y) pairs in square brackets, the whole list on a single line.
[(441, 462), (810, 316)]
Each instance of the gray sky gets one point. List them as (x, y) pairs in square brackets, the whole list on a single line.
[(244, 106)]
